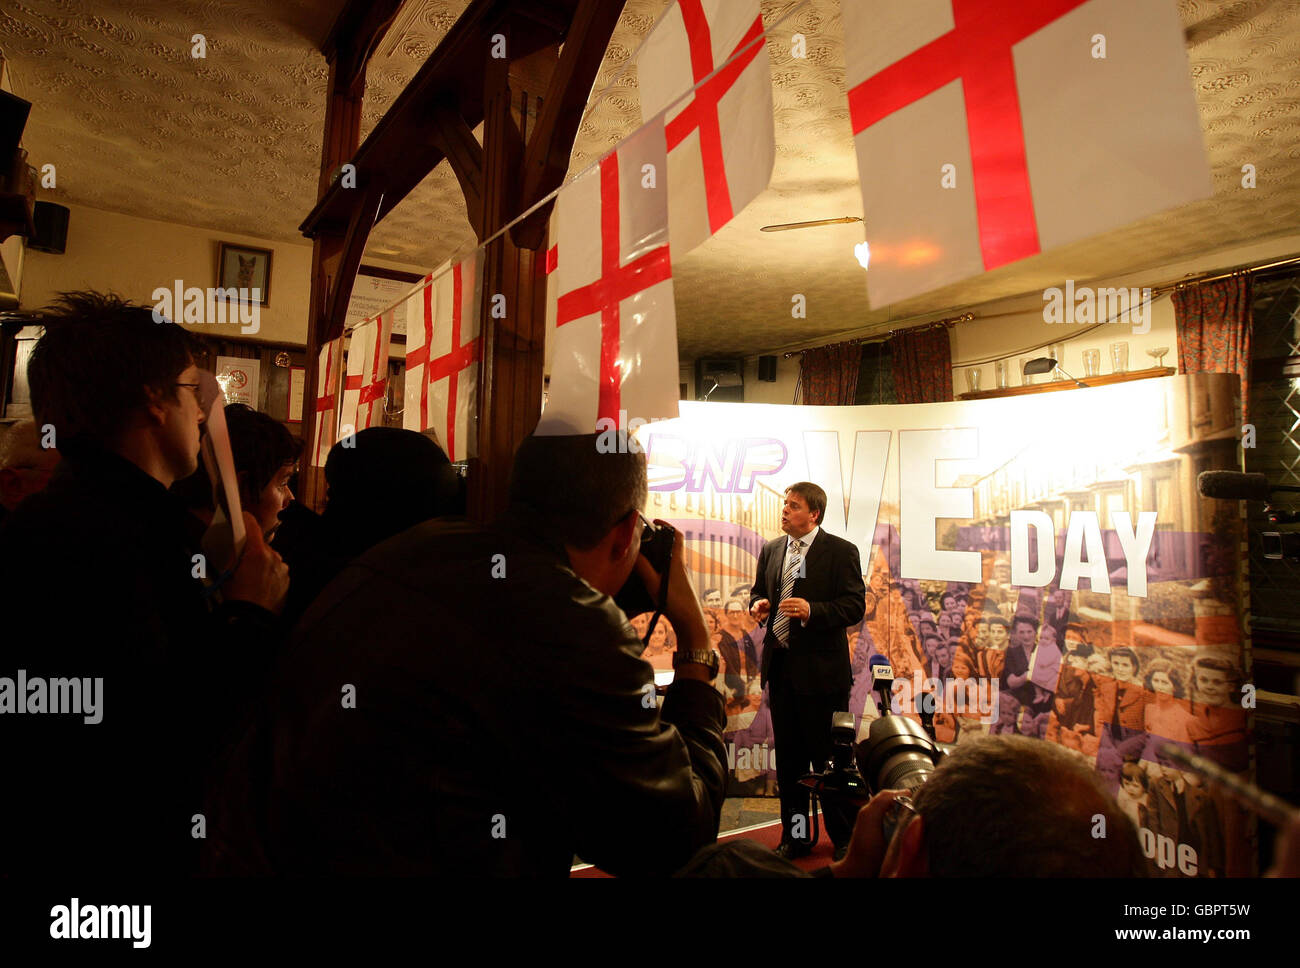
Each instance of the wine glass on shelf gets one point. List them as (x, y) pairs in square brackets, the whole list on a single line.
[(1157, 353)]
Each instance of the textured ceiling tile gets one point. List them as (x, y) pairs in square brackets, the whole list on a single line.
[(233, 141)]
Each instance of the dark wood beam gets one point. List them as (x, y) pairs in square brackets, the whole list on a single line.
[(453, 77), (355, 34)]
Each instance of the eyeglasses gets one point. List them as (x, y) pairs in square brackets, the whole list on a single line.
[(193, 386)]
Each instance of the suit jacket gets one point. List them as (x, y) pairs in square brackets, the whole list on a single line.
[(832, 584)]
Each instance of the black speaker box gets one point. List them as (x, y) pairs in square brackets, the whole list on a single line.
[(51, 228), (767, 369)]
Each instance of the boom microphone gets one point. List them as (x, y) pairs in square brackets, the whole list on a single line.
[(1232, 486)]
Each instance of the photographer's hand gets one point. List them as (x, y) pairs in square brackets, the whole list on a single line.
[(682, 608), (868, 846)]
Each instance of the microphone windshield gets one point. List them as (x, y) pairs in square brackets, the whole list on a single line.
[(1232, 486)]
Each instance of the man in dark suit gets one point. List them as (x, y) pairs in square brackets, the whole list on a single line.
[(810, 584)]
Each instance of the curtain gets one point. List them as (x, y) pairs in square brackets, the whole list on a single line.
[(922, 365), (1214, 323), (828, 375)]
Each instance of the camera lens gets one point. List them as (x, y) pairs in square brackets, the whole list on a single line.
[(896, 755)]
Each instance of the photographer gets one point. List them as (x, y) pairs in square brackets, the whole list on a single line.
[(1000, 806), (1006, 806), (416, 732)]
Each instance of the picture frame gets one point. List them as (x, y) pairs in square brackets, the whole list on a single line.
[(244, 267)]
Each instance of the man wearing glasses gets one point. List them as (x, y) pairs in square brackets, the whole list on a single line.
[(99, 562)]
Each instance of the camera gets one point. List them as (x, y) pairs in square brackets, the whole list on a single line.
[(657, 548), (897, 754)]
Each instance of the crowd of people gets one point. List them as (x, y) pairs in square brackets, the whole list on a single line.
[(346, 695)]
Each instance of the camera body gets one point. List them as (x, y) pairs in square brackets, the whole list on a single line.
[(657, 548)]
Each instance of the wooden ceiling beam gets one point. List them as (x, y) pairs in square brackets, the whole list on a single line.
[(453, 77)]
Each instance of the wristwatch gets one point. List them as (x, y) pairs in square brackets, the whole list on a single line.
[(705, 657)]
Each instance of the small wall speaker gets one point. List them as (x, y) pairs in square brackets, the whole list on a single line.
[(767, 369), (51, 228)]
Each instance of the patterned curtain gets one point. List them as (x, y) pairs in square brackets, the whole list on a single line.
[(922, 365), (1214, 325), (828, 375)]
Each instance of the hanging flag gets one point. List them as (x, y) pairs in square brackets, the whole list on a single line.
[(327, 401), (442, 357), (990, 130), (615, 345), (366, 385), (721, 143)]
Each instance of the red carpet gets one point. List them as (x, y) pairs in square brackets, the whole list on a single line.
[(768, 834)]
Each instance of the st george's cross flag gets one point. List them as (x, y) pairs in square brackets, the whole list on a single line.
[(442, 358), (990, 130), (721, 141), (366, 384), (327, 400), (615, 344)]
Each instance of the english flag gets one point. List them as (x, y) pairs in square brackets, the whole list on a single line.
[(442, 357), (990, 130), (721, 142), (327, 400), (615, 345), (367, 377)]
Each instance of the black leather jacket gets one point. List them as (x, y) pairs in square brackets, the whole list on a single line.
[(501, 724)]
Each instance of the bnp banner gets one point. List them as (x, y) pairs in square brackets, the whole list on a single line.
[(1041, 564)]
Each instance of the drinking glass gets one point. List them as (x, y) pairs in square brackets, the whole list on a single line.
[(1119, 357), (973, 379), (1000, 372), (1092, 362), (1026, 379)]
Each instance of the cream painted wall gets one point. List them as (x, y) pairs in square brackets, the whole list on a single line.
[(134, 256), (1015, 328)]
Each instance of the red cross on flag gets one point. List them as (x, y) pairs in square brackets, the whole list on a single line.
[(721, 144), (327, 401), (990, 130), (615, 343), (442, 356), (367, 379)]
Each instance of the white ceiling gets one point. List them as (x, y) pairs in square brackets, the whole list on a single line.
[(232, 143)]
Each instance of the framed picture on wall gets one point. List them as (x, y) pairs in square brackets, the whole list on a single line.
[(243, 267)]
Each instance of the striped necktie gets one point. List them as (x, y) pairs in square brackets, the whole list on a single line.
[(781, 624)]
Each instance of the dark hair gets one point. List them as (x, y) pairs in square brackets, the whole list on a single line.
[(1167, 667), (1022, 619), (90, 369), (261, 446), (812, 495), (998, 620), (1012, 806), (1126, 651), (573, 492), (1080, 632), (383, 480), (1132, 770)]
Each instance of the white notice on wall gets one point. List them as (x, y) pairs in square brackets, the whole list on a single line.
[(297, 380), (240, 379), (372, 295)]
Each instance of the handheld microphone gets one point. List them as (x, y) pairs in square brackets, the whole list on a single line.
[(1233, 486), (882, 681)]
